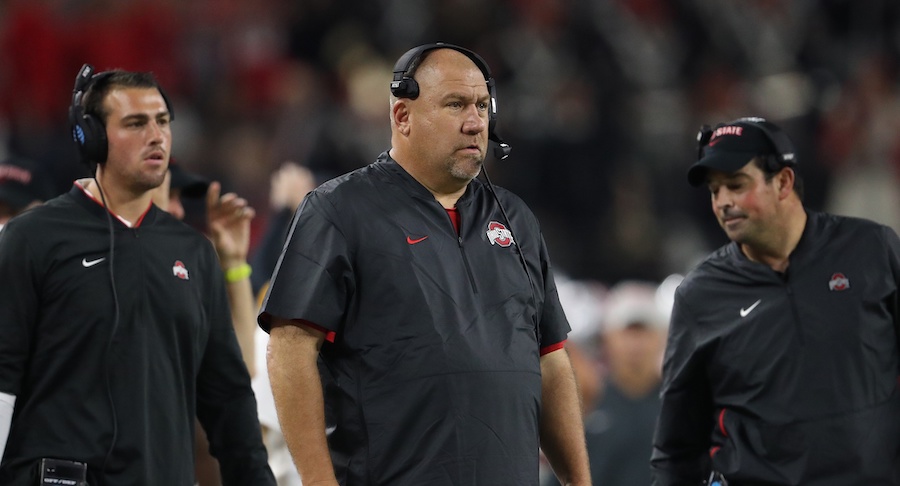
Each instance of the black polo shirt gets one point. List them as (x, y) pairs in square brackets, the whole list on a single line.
[(432, 375), (114, 375)]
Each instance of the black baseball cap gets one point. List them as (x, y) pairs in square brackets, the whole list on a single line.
[(190, 184), (21, 183), (733, 145)]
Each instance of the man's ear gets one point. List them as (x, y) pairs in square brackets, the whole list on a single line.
[(400, 116), (785, 180)]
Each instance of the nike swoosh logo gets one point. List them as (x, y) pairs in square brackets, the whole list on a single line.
[(88, 264), (748, 310), (414, 241)]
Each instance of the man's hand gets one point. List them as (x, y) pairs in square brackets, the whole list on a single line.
[(289, 185), (228, 220)]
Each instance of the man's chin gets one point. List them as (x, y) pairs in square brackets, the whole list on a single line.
[(467, 168)]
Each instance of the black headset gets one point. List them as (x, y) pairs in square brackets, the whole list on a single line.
[(404, 86), (784, 155), (89, 131)]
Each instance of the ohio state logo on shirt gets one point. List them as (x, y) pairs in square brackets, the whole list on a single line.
[(179, 271), (839, 282), (498, 234)]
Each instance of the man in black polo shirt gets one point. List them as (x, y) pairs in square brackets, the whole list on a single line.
[(114, 324), (431, 311)]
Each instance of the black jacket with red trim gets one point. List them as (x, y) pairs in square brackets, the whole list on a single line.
[(786, 379), (113, 371)]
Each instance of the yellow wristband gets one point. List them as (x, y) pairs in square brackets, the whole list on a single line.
[(238, 273)]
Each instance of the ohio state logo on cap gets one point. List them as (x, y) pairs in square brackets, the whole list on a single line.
[(497, 234)]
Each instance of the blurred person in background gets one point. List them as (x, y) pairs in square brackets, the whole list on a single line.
[(619, 430), (117, 334), (619, 423), (289, 184), (783, 354), (22, 186), (406, 345)]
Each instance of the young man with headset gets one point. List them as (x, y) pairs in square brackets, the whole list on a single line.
[(782, 361), (427, 299), (114, 328)]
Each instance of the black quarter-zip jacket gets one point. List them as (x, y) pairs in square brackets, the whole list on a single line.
[(433, 375), (120, 390), (786, 379)]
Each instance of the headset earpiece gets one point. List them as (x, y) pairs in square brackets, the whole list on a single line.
[(88, 132), (404, 86), (703, 137)]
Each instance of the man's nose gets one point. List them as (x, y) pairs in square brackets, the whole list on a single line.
[(476, 122)]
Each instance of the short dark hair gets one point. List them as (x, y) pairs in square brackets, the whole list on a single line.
[(107, 81), (770, 166)]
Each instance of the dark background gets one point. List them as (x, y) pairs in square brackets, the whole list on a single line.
[(600, 99)]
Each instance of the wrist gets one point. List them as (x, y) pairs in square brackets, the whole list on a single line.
[(237, 272)]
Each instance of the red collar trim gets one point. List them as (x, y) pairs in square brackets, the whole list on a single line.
[(123, 220)]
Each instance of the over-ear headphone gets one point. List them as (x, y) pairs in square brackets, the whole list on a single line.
[(89, 131), (784, 155), (405, 86)]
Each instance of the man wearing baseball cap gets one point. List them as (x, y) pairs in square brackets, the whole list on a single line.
[(185, 184), (783, 354), (21, 187)]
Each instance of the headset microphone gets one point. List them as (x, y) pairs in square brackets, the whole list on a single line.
[(502, 150)]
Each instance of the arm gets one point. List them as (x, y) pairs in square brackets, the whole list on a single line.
[(19, 307), (562, 429), (228, 219), (294, 374), (680, 455), (226, 406)]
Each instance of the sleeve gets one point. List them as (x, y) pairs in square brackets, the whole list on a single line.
[(554, 325), (313, 280), (226, 406), (680, 455), (19, 304)]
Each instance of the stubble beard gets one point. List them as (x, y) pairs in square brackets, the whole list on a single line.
[(466, 168), (144, 182)]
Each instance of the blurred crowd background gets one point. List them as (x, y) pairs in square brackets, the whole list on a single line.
[(600, 99)]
